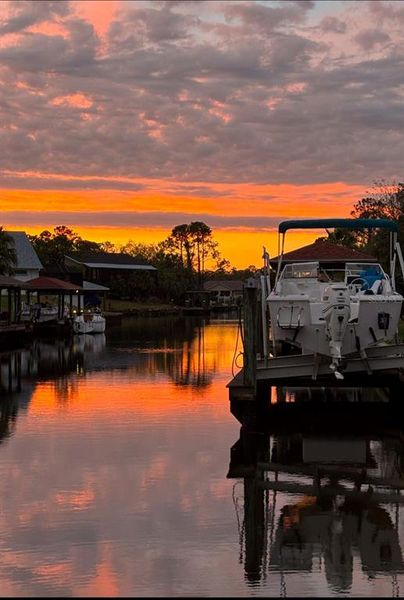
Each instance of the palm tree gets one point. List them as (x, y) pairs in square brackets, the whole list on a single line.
[(8, 256)]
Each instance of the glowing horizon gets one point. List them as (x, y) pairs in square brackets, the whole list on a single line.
[(241, 218)]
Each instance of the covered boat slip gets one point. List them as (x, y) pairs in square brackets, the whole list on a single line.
[(11, 327)]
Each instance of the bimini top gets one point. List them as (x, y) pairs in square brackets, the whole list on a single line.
[(344, 223)]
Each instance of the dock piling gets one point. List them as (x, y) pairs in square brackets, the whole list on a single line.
[(250, 293)]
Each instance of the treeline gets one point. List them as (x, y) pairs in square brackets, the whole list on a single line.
[(383, 201), (184, 260)]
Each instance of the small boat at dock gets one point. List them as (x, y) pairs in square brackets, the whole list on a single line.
[(89, 322)]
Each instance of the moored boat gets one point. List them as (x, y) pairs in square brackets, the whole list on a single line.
[(89, 322), (336, 313)]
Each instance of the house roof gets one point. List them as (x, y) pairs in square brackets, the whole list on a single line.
[(324, 251), (89, 286), (51, 284), (233, 285), (112, 260), (27, 258), (9, 282)]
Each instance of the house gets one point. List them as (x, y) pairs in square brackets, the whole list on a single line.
[(328, 254), (101, 267), (28, 264), (224, 292)]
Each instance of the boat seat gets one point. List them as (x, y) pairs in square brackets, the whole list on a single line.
[(377, 287)]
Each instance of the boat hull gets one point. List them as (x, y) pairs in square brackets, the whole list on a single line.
[(301, 323), (89, 324)]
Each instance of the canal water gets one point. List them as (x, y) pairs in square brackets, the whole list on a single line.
[(124, 473)]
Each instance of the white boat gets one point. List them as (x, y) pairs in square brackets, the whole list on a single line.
[(39, 314), (89, 322), (336, 313)]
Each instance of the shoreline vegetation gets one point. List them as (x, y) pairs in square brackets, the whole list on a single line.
[(129, 308)]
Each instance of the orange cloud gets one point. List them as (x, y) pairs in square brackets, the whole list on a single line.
[(99, 14), (243, 216), (76, 100)]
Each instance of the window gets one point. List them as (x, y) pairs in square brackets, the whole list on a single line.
[(301, 270)]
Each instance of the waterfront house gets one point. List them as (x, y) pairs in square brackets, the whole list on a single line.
[(224, 292), (28, 264)]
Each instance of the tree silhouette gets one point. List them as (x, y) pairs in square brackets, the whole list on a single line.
[(8, 256)]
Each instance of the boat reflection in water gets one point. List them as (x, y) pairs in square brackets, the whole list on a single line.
[(317, 502)]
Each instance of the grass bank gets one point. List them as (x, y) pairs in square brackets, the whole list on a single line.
[(128, 307)]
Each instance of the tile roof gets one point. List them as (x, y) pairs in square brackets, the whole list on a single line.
[(50, 283), (27, 258), (323, 250)]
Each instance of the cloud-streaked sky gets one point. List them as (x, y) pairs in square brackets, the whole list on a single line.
[(124, 119)]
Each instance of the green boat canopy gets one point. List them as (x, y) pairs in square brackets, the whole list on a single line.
[(343, 223)]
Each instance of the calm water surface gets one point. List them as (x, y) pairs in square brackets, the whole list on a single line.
[(123, 473)]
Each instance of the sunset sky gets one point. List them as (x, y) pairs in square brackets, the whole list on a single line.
[(123, 119)]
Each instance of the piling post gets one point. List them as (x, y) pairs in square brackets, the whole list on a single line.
[(250, 332)]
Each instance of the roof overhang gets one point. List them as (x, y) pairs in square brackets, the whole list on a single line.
[(115, 266), (97, 265), (325, 260), (89, 286)]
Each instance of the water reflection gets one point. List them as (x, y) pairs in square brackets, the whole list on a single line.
[(184, 349), (111, 485), (317, 503)]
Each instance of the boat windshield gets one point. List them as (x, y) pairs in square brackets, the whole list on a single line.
[(364, 271), (301, 271)]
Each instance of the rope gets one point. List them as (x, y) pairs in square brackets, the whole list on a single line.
[(241, 336)]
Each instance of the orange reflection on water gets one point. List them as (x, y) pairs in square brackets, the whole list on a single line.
[(76, 500), (162, 382)]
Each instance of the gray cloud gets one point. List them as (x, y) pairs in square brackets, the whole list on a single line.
[(26, 13), (41, 183), (138, 219), (370, 38), (232, 92), (333, 24)]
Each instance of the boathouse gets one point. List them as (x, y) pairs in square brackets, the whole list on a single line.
[(44, 287), (11, 329), (12, 291), (101, 267)]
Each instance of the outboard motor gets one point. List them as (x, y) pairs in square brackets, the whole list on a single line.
[(336, 314)]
